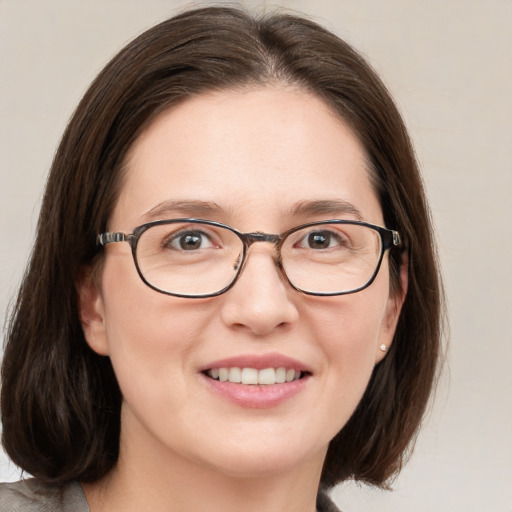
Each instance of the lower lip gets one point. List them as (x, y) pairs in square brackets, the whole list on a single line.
[(257, 396)]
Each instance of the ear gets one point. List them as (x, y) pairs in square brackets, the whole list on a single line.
[(92, 311), (392, 313)]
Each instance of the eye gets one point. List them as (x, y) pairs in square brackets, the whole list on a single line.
[(322, 239), (190, 240)]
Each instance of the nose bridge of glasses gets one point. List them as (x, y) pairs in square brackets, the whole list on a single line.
[(258, 236), (250, 238)]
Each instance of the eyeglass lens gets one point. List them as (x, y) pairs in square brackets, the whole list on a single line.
[(195, 259)]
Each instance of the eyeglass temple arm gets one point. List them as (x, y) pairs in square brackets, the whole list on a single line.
[(108, 238), (393, 239)]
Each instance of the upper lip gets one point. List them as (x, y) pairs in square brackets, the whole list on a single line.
[(258, 362)]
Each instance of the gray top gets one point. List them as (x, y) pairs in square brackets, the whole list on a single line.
[(33, 496)]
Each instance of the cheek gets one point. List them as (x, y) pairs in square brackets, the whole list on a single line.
[(146, 334), (150, 335), (347, 330), (348, 327), (349, 341)]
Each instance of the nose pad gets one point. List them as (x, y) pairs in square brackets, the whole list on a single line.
[(238, 261), (261, 299)]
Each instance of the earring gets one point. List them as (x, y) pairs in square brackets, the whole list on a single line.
[(384, 348)]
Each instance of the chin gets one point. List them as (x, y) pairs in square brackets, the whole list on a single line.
[(265, 456)]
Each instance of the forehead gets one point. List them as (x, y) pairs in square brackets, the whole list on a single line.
[(256, 152)]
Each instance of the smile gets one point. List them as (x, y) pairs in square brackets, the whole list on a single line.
[(253, 376), (257, 381)]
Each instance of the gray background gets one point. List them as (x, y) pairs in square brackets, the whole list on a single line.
[(449, 65)]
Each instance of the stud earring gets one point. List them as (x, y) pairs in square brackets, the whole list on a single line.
[(384, 348)]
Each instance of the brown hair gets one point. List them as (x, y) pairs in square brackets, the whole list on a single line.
[(60, 401)]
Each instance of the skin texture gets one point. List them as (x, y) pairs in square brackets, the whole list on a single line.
[(256, 154)]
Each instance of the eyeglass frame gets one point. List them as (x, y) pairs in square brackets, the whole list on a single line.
[(389, 239)]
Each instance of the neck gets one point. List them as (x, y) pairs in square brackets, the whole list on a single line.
[(188, 488), (152, 480)]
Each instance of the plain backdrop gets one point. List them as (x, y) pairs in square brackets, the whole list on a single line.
[(449, 65)]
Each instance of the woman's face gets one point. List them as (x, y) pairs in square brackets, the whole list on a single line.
[(248, 159)]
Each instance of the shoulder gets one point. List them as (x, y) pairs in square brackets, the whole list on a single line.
[(32, 495), (324, 503)]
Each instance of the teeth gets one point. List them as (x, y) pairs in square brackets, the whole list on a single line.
[(253, 376), (267, 376), (249, 376), (280, 375), (235, 375)]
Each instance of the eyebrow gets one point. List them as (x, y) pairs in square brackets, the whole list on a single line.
[(336, 207), (190, 208), (209, 209)]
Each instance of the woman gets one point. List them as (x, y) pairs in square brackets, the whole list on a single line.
[(214, 314)]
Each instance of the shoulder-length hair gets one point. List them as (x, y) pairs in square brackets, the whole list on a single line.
[(60, 401)]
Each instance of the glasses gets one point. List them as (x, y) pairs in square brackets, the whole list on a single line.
[(199, 258)]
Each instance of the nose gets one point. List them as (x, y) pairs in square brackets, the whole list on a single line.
[(261, 299)]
